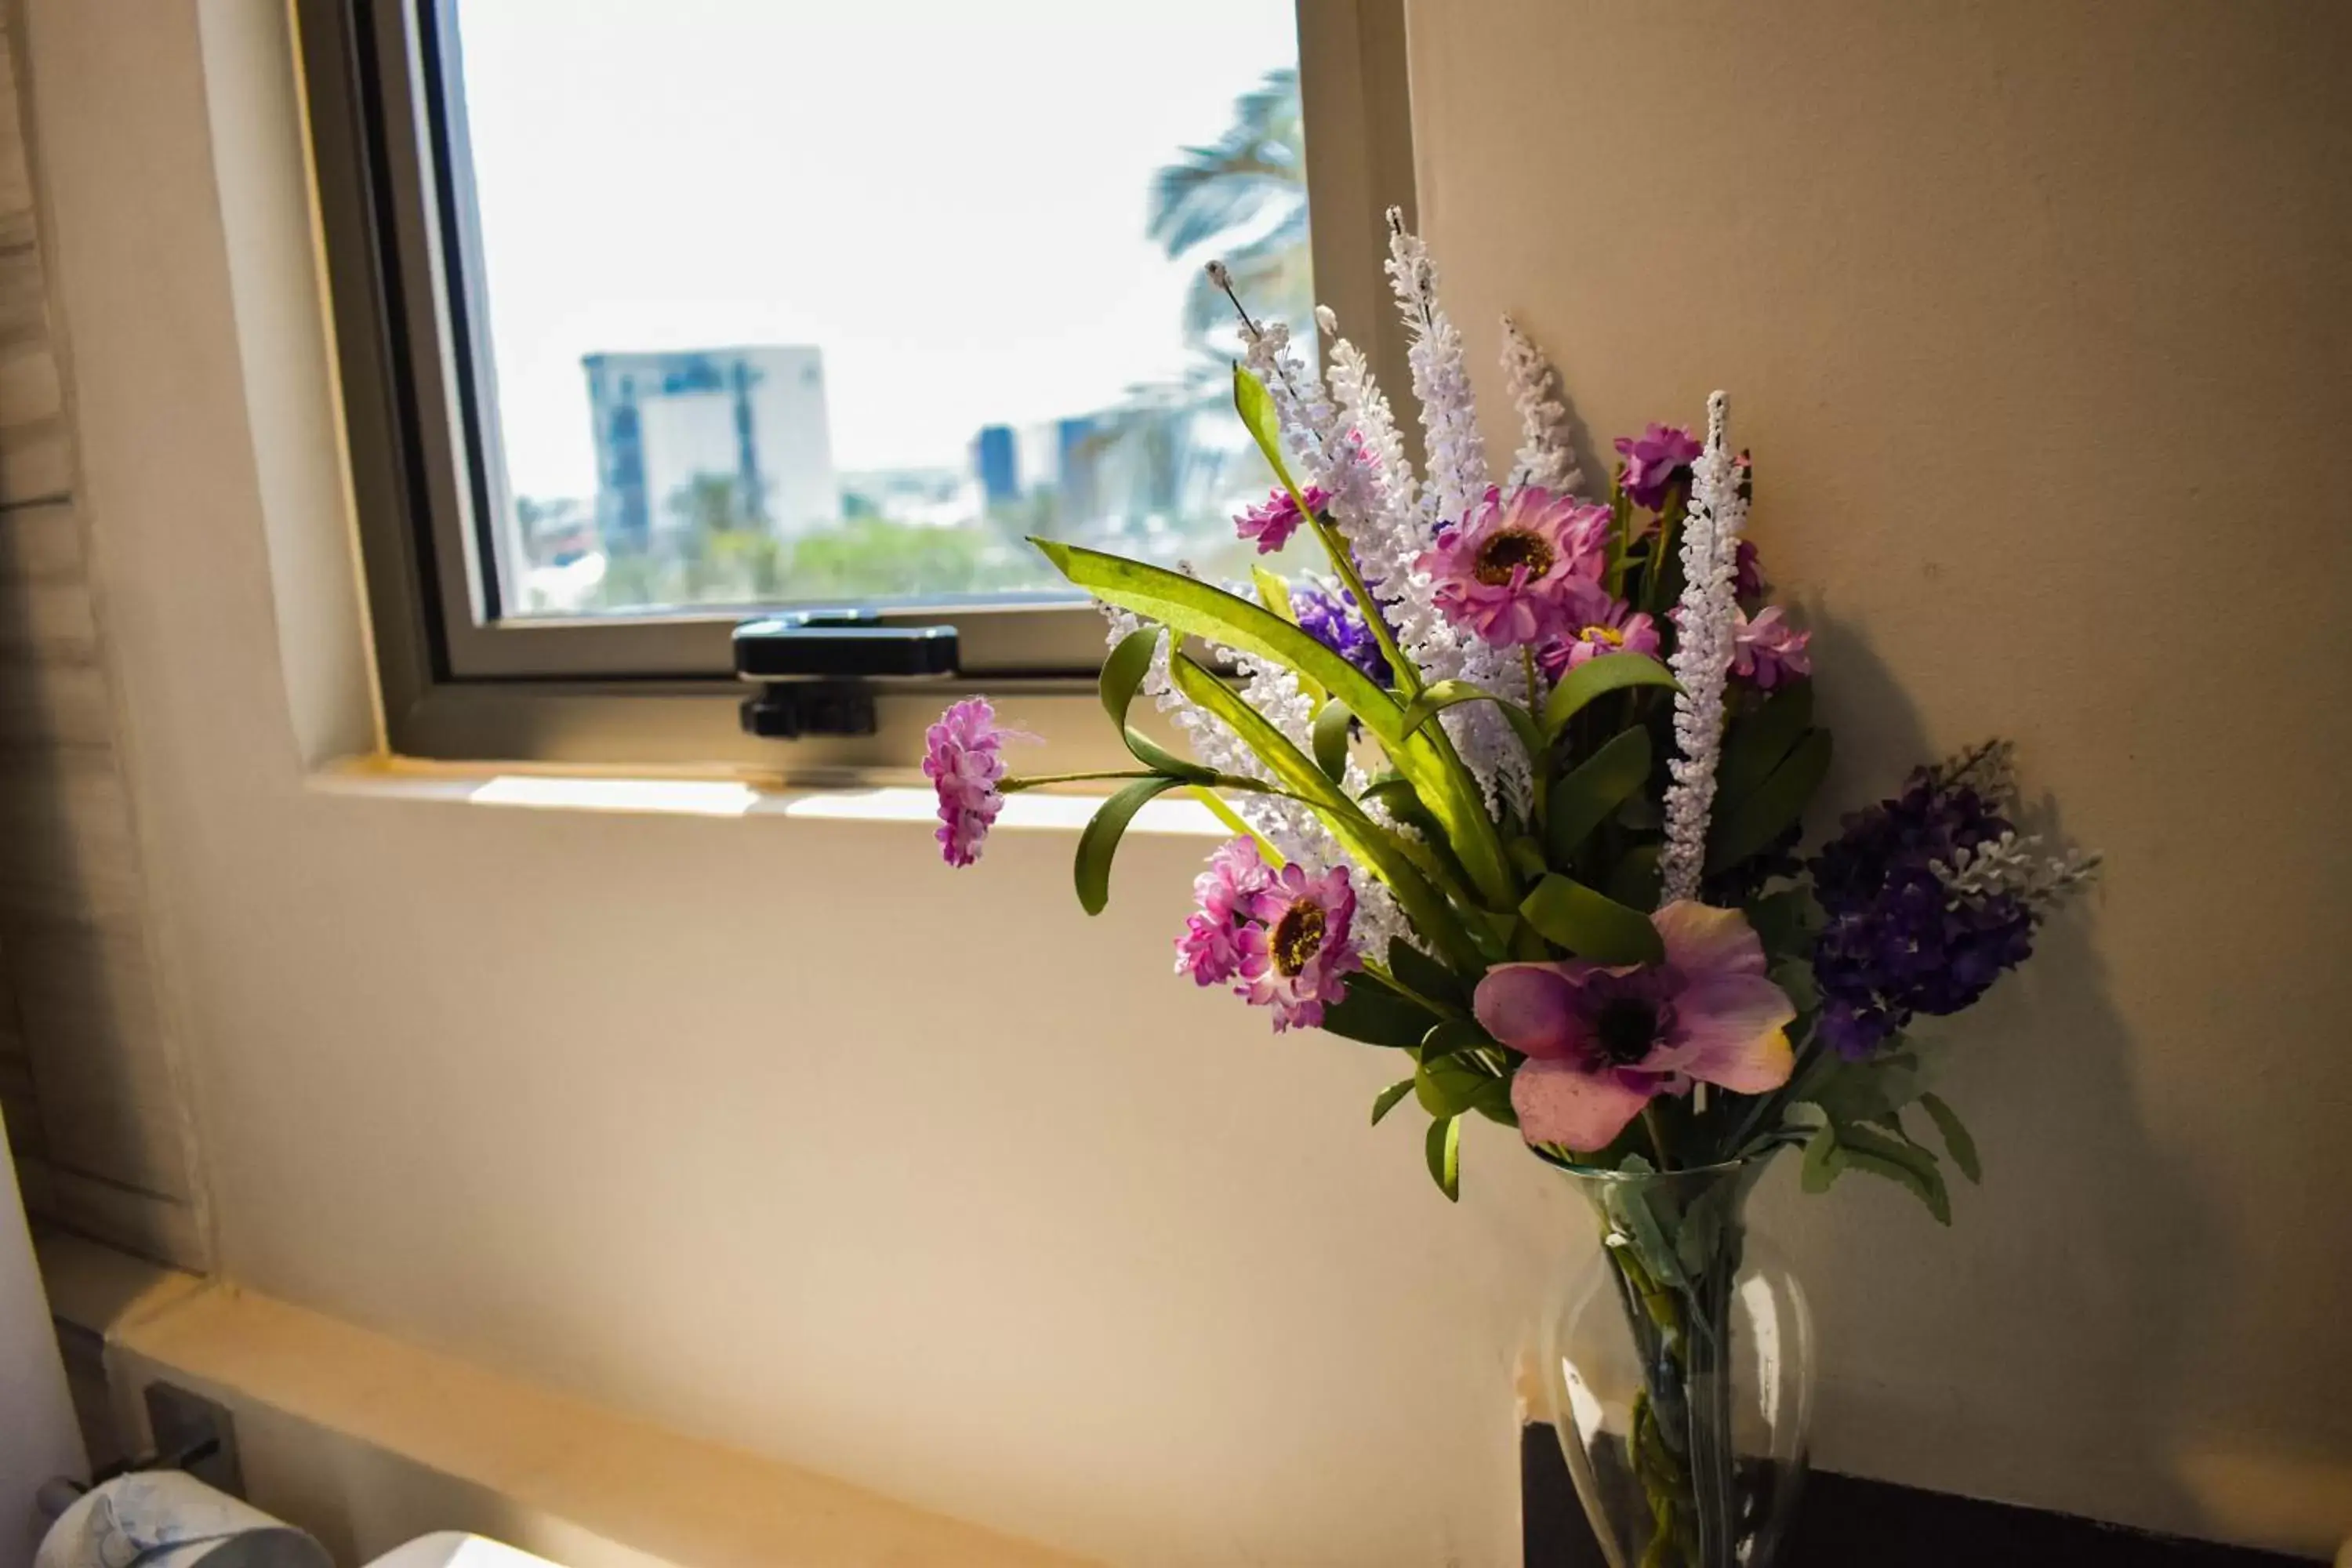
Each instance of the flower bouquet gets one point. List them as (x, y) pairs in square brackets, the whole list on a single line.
[(1516, 777)]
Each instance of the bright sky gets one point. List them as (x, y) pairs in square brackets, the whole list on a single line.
[(947, 197)]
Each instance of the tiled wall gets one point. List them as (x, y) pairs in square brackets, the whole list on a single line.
[(94, 1114)]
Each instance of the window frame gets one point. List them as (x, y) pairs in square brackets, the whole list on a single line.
[(657, 689)]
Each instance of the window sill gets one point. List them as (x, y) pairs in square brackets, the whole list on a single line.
[(720, 795)]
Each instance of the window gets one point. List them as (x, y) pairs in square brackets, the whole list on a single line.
[(654, 317)]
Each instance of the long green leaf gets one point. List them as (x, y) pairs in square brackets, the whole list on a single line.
[(1193, 608), (1372, 1015), (1444, 1152), (1748, 826), (1330, 736), (1435, 700), (1906, 1164), (1635, 880), (1597, 678), (1583, 800), (1274, 594), (1255, 404), (1099, 843), (1755, 745), (1424, 974), (1589, 925), (1368, 842), (1122, 675), (1389, 1099), (1957, 1141)]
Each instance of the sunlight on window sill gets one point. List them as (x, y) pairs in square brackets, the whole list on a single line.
[(725, 797)]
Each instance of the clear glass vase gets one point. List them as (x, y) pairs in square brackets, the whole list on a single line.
[(1678, 1363)]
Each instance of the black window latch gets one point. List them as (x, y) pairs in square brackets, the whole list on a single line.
[(816, 673)]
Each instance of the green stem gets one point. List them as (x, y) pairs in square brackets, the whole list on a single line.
[(1014, 785), (1657, 1136)]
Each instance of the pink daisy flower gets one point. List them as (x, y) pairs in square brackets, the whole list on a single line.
[(1512, 570), (1768, 651), (1610, 625), (1273, 522), (1299, 946)]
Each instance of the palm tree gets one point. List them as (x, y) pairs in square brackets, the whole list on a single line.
[(1244, 194)]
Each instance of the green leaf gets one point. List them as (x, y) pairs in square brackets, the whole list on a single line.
[(1435, 700), (1448, 1086), (1748, 826), (1757, 742), (1193, 608), (1589, 925), (1274, 594), (1787, 921), (1596, 677), (1371, 845), (1824, 1160), (1417, 972), (1583, 800), (1634, 883), (1444, 1151), (1332, 727), (1122, 675), (1099, 843), (1894, 1159), (1232, 821), (1453, 1035), (1372, 1015), (1957, 1141), (1389, 1099), (1256, 405)]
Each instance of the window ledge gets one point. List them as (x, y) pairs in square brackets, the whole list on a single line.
[(707, 794)]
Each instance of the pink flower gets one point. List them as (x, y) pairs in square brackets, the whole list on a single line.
[(1611, 625), (1514, 568), (1654, 461), (1768, 650), (1601, 1040), (1210, 950), (1273, 523), (1298, 945), (960, 759)]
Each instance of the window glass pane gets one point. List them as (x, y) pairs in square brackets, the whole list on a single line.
[(790, 303)]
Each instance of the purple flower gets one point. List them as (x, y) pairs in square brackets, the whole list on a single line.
[(1335, 621), (1768, 651), (1514, 567), (1600, 1040), (1273, 523), (1610, 625), (1896, 942), (1210, 950), (1299, 946), (1657, 460), (960, 759)]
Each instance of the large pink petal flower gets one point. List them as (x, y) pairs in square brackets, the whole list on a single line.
[(1561, 1102), (1703, 940), (1733, 1032), (1529, 1007)]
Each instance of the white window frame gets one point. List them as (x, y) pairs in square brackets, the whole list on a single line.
[(458, 681)]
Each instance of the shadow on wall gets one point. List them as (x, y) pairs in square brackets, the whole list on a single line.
[(2079, 1201)]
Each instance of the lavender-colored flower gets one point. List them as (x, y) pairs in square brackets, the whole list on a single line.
[(1655, 461), (1767, 651), (1337, 621), (1273, 522), (1601, 1040), (961, 758), (1898, 941), (1514, 568), (1299, 946), (1608, 626)]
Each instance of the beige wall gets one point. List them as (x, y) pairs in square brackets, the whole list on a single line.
[(775, 1131)]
